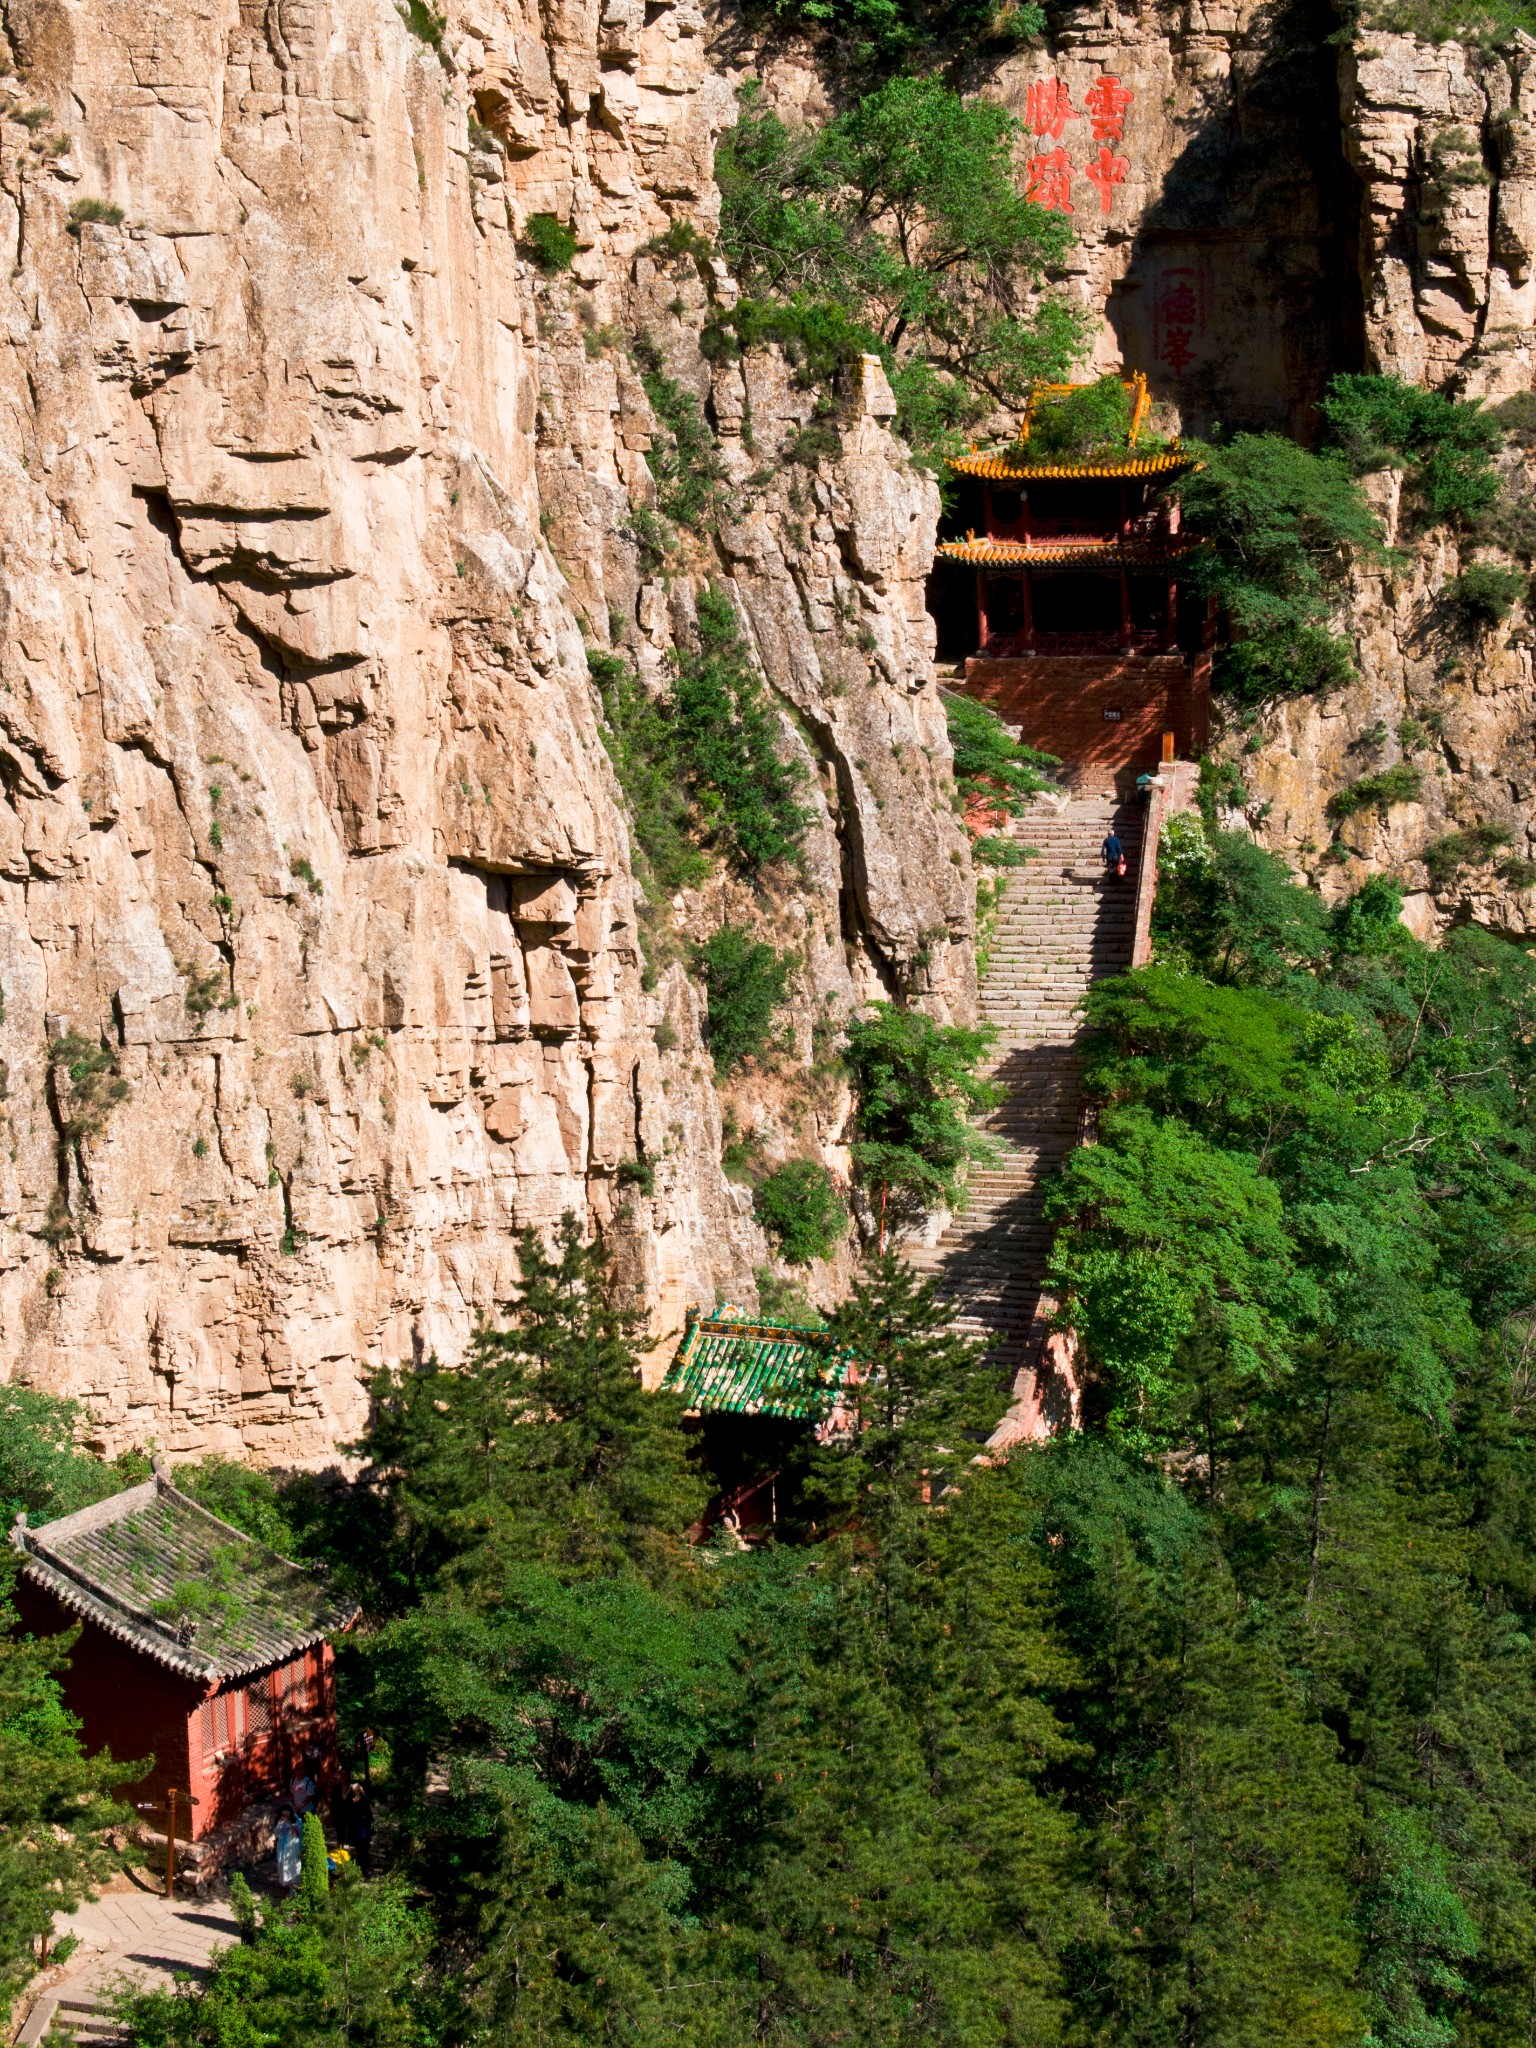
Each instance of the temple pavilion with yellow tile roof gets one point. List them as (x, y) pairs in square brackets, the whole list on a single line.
[(1066, 547)]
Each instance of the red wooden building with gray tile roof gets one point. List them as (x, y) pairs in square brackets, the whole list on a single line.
[(198, 1646)]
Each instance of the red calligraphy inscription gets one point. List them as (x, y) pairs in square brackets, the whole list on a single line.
[(1180, 319), (1049, 108), (1106, 101), (1106, 172), (1050, 181)]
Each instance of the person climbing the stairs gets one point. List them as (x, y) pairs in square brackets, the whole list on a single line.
[(1113, 854)]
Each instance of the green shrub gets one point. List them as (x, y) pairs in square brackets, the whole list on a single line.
[(42, 1468), (991, 766), (654, 540), (239, 1494), (899, 228), (1485, 24), (1402, 783), (1283, 660), (915, 1086), (745, 981), (102, 211), (642, 745), (702, 761), (1447, 445), (684, 458), (745, 794), (1472, 846), (1456, 158), (637, 1173), (683, 240), (1089, 421), (1483, 595), (426, 25), (1516, 415), (883, 32), (550, 243), (88, 1083), (800, 1208), (786, 1301), (1280, 526)]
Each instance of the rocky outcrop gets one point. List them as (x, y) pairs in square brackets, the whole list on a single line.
[(1441, 138), (318, 936)]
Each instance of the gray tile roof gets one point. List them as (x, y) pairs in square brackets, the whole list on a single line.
[(161, 1573)]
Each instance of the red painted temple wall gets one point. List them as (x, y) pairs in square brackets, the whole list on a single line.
[(124, 1701), (1059, 703), (226, 1748)]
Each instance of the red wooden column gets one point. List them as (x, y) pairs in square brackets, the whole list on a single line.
[(981, 610), (1125, 608), (1028, 593), (1171, 617)]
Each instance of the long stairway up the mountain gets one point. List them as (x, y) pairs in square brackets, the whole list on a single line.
[(1062, 925)]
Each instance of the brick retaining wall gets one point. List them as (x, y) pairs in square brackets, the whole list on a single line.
[(1059, 702)]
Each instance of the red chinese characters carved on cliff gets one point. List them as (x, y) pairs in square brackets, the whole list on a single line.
[(1106, 101), (1179, 317), (1106, 172), (1049, 108), (1050, 181)]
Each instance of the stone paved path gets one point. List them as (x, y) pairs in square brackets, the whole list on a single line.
[(126, 1933)]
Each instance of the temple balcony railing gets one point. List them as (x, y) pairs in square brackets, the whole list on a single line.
[(1021, 647)]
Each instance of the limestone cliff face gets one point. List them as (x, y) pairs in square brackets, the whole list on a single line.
[(1443, 144), (318, 939)]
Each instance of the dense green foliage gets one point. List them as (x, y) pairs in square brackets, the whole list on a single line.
[(885, 32), (728, 741), (336, 1965), (42, 1469), (641, 737), (1402, 783), (1469, 847), (683, 457), (1279, 523), (54, 1802), (1210, 1725), (464, 1465), (799, 1207), (700, 765), (915, 1087), (745, 981), (1095, 419), (1300, 1264), (1445, 444), (898, 228)]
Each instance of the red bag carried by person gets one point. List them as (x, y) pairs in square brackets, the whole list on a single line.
[(1120, 866)]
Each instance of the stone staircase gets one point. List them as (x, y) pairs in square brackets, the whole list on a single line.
[(1060, 927), (86, 2019)]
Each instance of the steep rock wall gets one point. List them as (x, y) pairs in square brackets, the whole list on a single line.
[(1442, 141), (316, 489)]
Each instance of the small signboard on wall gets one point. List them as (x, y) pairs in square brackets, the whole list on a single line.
[(1112, 717)]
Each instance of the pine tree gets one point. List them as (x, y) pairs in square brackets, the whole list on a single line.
[(56, 1804)]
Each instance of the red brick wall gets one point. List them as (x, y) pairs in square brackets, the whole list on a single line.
[(1059, 702)]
